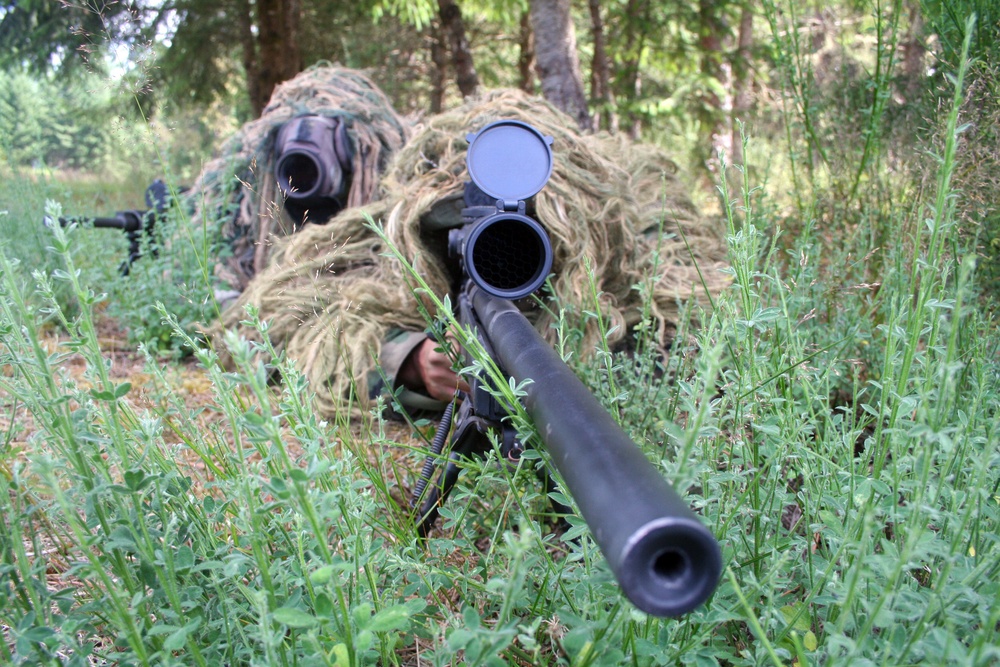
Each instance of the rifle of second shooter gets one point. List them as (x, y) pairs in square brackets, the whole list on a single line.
[(665, 560), (135, 223)]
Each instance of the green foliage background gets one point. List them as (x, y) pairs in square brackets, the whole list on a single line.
[(45, 123)]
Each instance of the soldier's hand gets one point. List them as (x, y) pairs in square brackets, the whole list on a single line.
[(428, 369)]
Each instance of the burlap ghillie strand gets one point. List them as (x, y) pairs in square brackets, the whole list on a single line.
[(236, 193), (331, 292)]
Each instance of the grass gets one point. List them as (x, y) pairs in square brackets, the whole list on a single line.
[(21, 216), (834, 419)]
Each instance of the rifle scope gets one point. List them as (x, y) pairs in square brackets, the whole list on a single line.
[(505, 252), (313, 159)]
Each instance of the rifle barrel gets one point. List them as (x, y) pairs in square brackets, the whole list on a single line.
[(129, 221), (666, 561)]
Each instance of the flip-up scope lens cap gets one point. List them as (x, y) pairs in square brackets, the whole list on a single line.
[(509, 160)]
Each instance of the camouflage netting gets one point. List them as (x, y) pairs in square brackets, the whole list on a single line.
[(237, 191), (331, 294)]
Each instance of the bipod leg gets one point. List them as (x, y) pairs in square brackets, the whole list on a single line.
[(468, 438), (149, 226), (437, 494)]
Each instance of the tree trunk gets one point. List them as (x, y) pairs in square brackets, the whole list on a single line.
[(556, 58), (600, 76), (249, 46), (439, 67), (453, 26), (526, 61), (712, 32), (914, 54), (278, 48), (636, 24), (741, 80)]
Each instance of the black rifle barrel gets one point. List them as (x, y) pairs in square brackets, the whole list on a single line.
[(129, 221), (666, 561)]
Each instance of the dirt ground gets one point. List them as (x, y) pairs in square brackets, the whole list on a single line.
[(187, 382)]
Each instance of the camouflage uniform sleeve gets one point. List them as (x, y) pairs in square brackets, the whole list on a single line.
[(396, 347)]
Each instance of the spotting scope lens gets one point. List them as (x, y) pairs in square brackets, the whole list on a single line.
[(312, 162), (299, 174)]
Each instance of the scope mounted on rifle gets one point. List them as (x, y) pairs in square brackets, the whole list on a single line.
[(505, 252)]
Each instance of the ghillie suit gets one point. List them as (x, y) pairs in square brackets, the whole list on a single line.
[(331, 294), (237, 194)]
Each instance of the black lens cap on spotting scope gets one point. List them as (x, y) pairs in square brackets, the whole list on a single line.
[(509, 160)]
